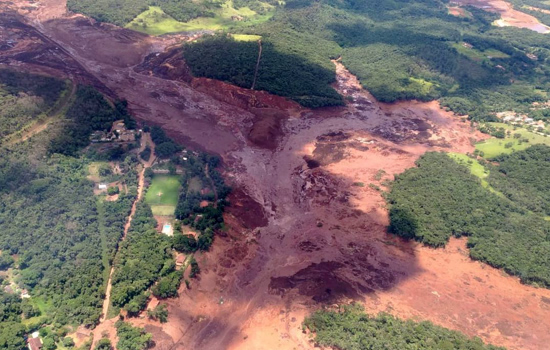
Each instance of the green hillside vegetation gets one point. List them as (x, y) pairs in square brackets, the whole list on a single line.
[(169, 16), (289, 75), (441, 197), (143, 257), (24, 98), (155, 21), (400, 50), (57, 238), (352, 329)]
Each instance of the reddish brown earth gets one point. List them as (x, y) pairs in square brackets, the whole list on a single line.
[(305, 229), (509, 15)]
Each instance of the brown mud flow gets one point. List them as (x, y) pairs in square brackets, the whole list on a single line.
[(307, 225), (510, 17)]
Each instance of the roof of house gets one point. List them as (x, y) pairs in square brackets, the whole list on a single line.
[(180, 259), (35, 344)]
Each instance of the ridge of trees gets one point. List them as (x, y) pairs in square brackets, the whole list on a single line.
[(440, 198)]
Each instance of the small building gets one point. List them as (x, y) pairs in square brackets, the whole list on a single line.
[(35, 334), (180, 259), (25, 294), (35, 343), (102, 186)]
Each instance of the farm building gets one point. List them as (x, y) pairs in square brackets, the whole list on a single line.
[(35, 343), (102, 186)]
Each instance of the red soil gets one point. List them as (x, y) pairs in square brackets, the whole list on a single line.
[(509, 16), (302, 232)]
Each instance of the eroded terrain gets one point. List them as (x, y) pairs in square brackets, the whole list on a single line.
[(307, 225)]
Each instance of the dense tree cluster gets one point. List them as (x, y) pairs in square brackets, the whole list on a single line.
[(23, 97), (143, 256), (440, 198), (63, 236), (523, 178), (164, 146), (132, 338), (281, 73), (352, 329), (89, 112), (122, 12), (205, 219)]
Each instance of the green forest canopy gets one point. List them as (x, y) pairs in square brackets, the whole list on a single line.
[(440, 198), (352, 329), (399, 49)]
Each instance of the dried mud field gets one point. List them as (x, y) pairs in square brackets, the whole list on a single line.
[(307, 222)]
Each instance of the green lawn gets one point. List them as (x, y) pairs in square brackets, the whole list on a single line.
[(156, 22), (246, 37), (475, 168), (494, 147), (477, 55), (163, 194)]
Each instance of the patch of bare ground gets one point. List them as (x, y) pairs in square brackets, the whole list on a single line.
[(307, 227), (509, 16)]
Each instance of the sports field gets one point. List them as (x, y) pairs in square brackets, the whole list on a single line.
[(163, 194)]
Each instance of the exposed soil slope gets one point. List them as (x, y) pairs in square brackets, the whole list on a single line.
[(305, 227)]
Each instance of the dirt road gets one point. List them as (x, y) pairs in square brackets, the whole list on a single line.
[(103, 327)]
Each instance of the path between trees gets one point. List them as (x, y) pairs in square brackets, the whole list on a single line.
[(145, 141)]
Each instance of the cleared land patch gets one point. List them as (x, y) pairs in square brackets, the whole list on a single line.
[(155, 21), (163, 194), (494, 146)]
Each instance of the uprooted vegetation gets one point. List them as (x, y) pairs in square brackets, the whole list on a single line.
[(441, 198)]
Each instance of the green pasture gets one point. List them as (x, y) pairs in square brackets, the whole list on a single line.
[(155, 21), (494, 147)]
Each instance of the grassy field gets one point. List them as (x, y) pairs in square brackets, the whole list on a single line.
[(477, 55), (475, 168), (163, 194), (155, 22), (246, 37), (494, 147)]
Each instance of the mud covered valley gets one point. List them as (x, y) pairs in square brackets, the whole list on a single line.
[(307, 222)]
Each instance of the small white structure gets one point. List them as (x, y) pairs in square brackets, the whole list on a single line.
[(102, 186)]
